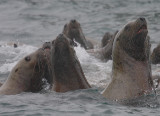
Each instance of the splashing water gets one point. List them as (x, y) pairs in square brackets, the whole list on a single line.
[(97, 72), (13, 55)]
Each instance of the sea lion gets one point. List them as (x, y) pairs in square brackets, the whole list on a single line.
[(66, 69), (14, 44), (48, 71), (27, 74), (131, 70), (74, 31), (107, 37), (155, 57), (104, 53)]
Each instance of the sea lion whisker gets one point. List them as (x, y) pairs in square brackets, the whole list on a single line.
[(29, 76), (39, 64)]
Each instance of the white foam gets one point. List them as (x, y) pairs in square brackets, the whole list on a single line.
[(97, 72), (156, 69), (15, 53)]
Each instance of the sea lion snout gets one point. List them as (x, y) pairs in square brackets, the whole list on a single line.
[(142, 19), (73, 21), (46, 45), (74, 24), (142, 25), (61, 38)]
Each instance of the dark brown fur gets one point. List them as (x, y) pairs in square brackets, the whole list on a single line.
[(73, 31), (107, 38), (67, 71), (155, 57)]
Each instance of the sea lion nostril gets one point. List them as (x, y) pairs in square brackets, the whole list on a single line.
[(73, 21), (142, 19), (60, 35)]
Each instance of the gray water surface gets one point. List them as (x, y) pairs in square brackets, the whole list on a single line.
[(31, 22)]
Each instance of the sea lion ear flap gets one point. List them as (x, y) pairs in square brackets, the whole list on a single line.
[(53, 42), (64, 28)]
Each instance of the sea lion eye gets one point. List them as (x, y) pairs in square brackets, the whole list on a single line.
[(127, 27), (27, 58), (16, 70), (65, 25)]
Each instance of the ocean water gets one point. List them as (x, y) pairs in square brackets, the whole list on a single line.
[(32, 22)]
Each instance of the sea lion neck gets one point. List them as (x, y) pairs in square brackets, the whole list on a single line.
[(65, 64), (135, 50), (73, 31)]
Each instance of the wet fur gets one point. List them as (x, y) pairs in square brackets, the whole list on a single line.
[(67, 71), (27, 75), (74, 32), (131, 71)]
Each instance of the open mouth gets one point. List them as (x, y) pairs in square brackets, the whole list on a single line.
[(143, 27), (47, 48)]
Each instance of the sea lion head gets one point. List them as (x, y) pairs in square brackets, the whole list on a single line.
[(63, 54), (73, 31), (30, 71), (132, 38), (106, 38), (155, 57), (47, 45), (67, 71), (62, 46)]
